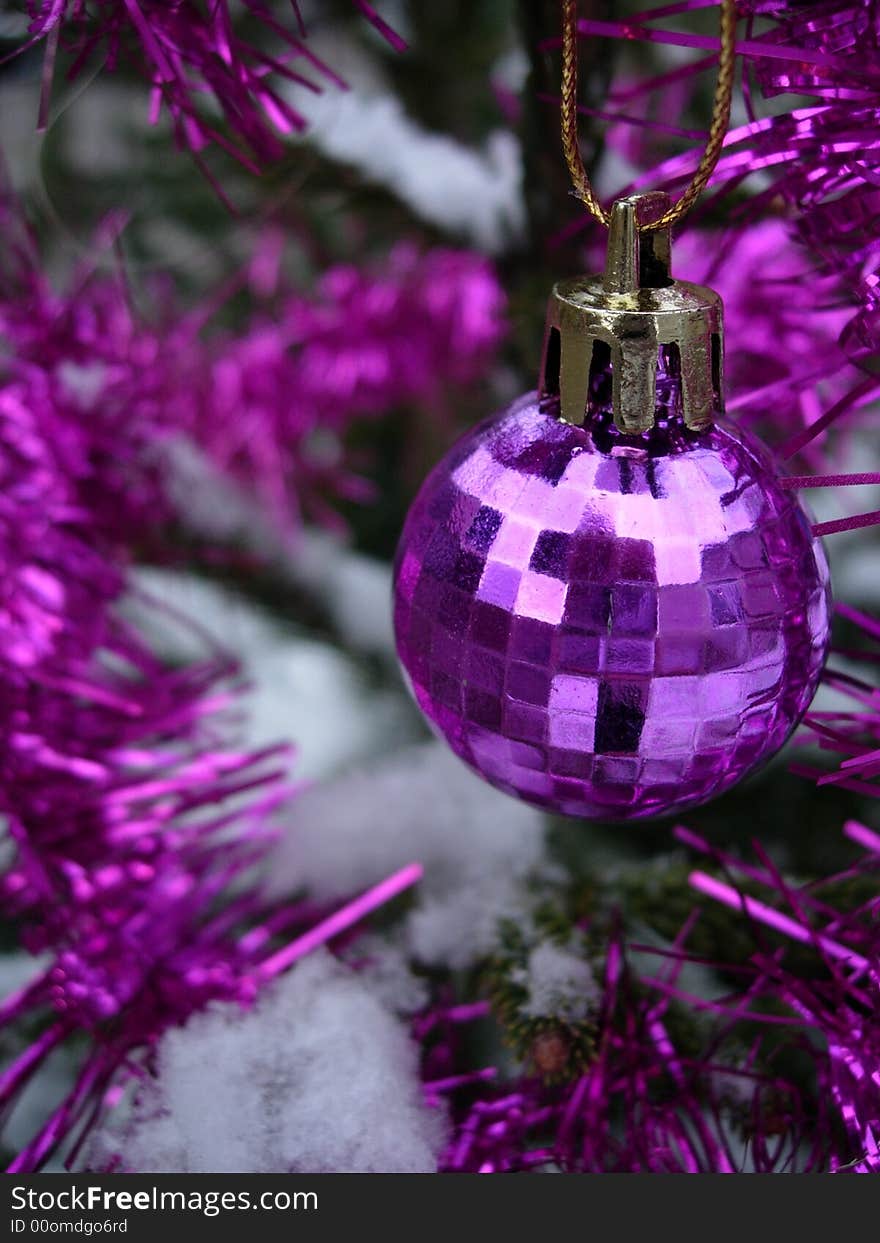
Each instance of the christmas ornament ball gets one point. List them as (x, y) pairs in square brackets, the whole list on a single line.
[(610, 626)]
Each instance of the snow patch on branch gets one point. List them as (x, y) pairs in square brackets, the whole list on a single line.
[(558, 983), (319, 1077), (303, 690), (478, 848)]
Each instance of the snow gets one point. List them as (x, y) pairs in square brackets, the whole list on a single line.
[(354, 589), (559, 983), (302, 690), (384, 969), (311, 693), (474, 195), (479, 848), (319, 1077)]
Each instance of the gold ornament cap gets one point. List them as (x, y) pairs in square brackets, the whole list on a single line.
[(630, 313)]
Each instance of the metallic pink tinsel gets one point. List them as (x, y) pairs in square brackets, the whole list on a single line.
[(270, 404), (194, 55), (133, 821), (838, 1006), (644, 1107), (850, 732), (641, 1107), (117, 782), (772, 292), (83, 368)]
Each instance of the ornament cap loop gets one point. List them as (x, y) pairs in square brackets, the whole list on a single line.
[(637, 260), (625, 318)]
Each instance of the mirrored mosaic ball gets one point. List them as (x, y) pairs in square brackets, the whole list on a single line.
[(609, 627)]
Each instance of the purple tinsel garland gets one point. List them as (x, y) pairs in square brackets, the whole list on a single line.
[(134, 820), (114, 775), (270, 404), (642, 1107), (192, 53)]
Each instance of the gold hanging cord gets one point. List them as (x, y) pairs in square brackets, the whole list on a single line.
[(714, 141)]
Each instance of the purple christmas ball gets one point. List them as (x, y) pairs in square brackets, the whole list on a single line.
[(607, 626)]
